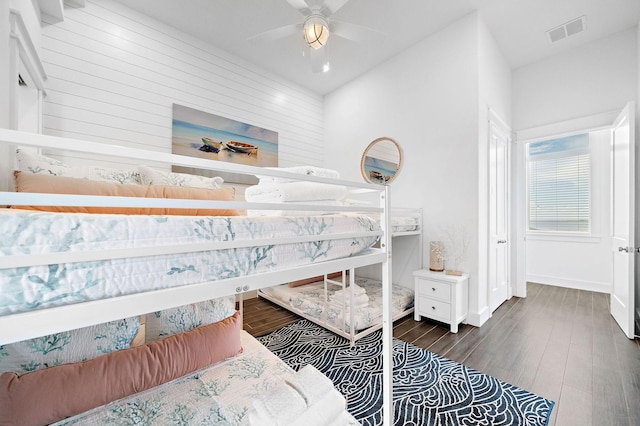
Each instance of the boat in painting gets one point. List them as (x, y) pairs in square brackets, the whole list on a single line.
[(210, 145), (241, 147), (376, 176)]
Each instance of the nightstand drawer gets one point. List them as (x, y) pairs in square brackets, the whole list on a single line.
[(435, 309), (435, 290)]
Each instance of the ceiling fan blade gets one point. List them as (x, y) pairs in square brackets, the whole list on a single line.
[(318, 59), (332, 6), (356, 32), (277, 33), (300, 5)]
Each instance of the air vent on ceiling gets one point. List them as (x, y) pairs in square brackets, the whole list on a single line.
[(567, 29)]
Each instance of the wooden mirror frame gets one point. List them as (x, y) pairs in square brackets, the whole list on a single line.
[(385, 157)]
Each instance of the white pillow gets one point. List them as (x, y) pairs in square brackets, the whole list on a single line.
[(149, 176), (184, 318), (40, 164), (68, 346)]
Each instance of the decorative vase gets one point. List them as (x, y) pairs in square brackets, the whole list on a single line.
[(436, 256)]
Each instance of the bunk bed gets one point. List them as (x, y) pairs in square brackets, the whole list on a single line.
[(333, 305), (58, 274)]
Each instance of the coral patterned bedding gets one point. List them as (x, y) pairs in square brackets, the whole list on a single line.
[(37, 287), (222, 394)]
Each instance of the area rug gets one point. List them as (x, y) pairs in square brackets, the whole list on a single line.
[(427, 388)]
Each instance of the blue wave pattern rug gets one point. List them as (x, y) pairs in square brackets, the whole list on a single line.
[(427, 388)]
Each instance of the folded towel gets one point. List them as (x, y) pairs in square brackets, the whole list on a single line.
[(294, 191), (311, 384), (358, 300), (302, 170), (344, 419), (256, 419), (357, 290), (324, 412), (327, 203), (280, 406)]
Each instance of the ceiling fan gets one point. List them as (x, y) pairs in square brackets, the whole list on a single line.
[(316, 28)]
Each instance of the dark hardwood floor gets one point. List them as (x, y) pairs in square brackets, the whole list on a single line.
[(558, 343)]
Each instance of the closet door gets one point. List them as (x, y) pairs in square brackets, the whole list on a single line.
[(499, 268)]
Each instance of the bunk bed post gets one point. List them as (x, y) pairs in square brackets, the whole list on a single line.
[(387, 320)]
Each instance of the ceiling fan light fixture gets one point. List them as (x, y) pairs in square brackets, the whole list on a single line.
[(316, 32)]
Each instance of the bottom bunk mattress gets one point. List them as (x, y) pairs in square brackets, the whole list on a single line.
[(222, 394), (28, 233), (310, 300)]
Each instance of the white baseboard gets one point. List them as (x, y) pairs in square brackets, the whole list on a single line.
[(598, 287), (478, 318)]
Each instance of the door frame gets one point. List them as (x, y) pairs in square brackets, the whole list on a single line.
[(519, 213)]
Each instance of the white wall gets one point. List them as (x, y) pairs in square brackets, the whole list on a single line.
[(598, 77), (114, 75), (428, 99), (593, 81)]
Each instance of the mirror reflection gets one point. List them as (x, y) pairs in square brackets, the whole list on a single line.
[(381, 161)]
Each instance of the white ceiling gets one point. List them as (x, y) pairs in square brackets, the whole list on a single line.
[(518, 27)]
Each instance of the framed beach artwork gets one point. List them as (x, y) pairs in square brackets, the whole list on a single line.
[(200, 134)]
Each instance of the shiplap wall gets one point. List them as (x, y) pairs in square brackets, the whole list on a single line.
[(114, 75)]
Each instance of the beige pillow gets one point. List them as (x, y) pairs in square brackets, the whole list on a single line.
[(25, 182)]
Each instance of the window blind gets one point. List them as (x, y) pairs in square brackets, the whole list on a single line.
[(560, 185)]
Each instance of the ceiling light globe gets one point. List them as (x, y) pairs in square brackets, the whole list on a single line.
[(316, 33)]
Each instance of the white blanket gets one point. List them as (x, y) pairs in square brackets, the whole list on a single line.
[(308, 398), (294, 191)]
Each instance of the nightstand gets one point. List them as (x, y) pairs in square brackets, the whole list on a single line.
[(441, 297)]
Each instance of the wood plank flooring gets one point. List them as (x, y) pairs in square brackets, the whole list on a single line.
[(558, 343)]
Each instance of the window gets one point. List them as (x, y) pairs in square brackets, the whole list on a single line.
[(559, 177)]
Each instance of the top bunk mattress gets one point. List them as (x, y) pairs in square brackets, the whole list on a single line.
[(24, 232)]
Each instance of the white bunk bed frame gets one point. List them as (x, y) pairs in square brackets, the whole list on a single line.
[(352, 334), (26, 325)]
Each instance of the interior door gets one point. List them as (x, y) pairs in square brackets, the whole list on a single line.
[(622, 218), (498, 215)]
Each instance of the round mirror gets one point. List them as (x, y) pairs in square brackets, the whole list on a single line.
[(381, 161)]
